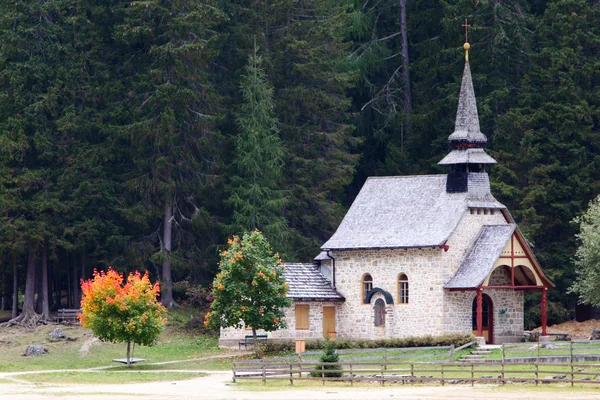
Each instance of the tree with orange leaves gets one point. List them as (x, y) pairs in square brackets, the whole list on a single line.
[(122, 313), (250, 288)]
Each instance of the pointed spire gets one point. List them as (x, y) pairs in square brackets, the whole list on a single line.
[(467, 119), (467, 142)]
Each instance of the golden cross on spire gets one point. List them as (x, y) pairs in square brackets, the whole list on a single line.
[(466, 25), (466, 46)]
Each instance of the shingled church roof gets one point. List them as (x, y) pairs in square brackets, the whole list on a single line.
[(480, 260), (408, 211), (306, 283)]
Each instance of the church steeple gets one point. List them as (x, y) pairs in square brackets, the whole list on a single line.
[(467, 143)]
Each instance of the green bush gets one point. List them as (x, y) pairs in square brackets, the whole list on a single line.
[(457, 339)]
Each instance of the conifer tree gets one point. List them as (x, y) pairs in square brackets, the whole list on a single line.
[(329, 356), (174, 107), (256, 194), (547, 146)]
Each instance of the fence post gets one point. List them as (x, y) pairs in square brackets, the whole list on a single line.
[(234, 372), (538, 352), (299, 366), (385, 356), (323, 372), (412, 373), (452, 353), (351, 376), (572, 375), (291, 379), (382, 375), (537, 381), (503, 355), (472, 373), (264, 375), (503, 380), (442, 365), (571, 345)]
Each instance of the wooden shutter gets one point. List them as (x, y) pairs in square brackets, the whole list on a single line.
[(302, 316)]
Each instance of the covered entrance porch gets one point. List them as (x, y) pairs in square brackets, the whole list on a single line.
[(499, 268)]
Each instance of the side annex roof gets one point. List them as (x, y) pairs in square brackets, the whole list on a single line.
[(306, 283)]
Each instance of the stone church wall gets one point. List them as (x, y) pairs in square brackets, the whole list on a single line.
[(431, 310), (229, 337)]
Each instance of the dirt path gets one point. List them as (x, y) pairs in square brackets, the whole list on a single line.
[(218, 385)]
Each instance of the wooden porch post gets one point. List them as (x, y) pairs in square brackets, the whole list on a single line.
[(480, 312), (544, 311)]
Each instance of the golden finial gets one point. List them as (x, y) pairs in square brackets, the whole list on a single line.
[(466, 46)]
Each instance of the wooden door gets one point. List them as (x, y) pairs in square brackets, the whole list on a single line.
[(329, 323)]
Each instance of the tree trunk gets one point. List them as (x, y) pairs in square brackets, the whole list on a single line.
[(75, 283), (83, 266), (405, 67), (44, 292), (128, 353), (166, 289), (15, 294), (69, 302), (28, 316), (38, 289)]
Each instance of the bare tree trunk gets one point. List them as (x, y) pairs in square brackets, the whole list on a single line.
[(166, 289), (128, 353), (83, 265), (28, 315), (15, 294), (75, 283), (405, 67), (44, 293), (38, 289), (68, 284)]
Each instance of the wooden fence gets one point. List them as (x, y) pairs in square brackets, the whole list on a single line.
[(556, 351), (419, 372), (441, 353)]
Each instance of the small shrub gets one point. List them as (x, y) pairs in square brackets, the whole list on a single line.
[(329, 356)]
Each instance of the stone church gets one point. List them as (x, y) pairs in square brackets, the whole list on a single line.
[(420, 255)]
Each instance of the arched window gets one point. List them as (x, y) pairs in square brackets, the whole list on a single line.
[(367, 284), (379, 312), (402, 289)]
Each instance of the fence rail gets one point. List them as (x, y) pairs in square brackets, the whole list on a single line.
[(419, 372), (567, 351)]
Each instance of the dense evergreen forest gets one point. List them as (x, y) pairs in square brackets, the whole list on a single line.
[(141, 134)]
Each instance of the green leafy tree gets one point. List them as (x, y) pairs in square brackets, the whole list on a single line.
[(329, 356), (122, 313), (256, 194), (250, 288), (587, 257)]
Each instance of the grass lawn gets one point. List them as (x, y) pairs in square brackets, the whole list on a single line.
[(81, 350)]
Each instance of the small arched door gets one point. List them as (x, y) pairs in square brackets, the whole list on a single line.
[(487, 318)]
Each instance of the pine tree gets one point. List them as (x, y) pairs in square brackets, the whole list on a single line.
[(548, 145), (173, 145), (329, 356), (256, 194)]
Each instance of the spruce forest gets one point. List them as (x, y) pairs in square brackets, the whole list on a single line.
[(142, 134)]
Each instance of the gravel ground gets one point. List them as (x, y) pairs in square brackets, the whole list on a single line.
[(218, 385)]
